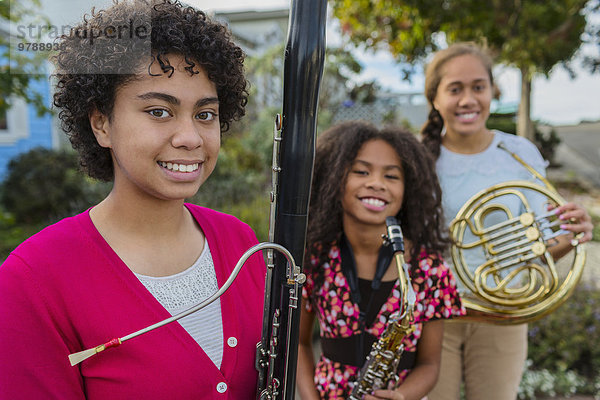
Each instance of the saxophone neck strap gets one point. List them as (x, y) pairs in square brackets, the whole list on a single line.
[(350, 272)]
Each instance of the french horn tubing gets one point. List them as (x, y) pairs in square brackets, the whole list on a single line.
[(519, 281)]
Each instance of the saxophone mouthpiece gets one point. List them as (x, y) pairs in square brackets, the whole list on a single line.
[(394, 234)]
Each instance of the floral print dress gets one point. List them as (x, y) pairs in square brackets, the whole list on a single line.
[(338, 315)]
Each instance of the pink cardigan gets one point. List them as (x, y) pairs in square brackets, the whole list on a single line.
[(65, 290)]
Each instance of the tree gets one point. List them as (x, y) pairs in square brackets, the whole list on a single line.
[(531, 35), (18, 69)]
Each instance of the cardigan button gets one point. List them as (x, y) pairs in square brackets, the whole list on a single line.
[(232, 342), (221, 387)]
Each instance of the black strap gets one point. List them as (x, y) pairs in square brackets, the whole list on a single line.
[(349, 270), (377, 297), (383, 263), (337, 350), (349, 267)]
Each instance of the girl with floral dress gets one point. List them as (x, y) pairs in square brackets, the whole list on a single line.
[(363, 175)]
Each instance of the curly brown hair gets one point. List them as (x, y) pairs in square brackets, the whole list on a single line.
[(92, 64), (421, 214), (431, 132)]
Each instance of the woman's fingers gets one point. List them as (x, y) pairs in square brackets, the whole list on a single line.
[(576, 219)]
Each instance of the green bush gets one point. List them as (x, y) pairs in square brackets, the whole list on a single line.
[(568, 337), (254, 212), (11, 234), (43, 186), (502, 122), (563, 348), (545, 142)]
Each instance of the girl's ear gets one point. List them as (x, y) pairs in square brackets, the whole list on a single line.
[(101, 128)]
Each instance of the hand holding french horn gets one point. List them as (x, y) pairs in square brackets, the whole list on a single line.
[(508, 265), (576, 220)]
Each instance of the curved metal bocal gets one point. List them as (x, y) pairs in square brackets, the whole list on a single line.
[(78, 357)]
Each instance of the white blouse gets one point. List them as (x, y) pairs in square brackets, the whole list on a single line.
[(185, 290)]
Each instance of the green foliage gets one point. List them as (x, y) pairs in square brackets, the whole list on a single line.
[(531, 35), (563, 357), (398, 24), (18, 69), (11, 234), (546, 142), (44, 185), (502, 122), (567, 338), (365, 93), (254, 212)]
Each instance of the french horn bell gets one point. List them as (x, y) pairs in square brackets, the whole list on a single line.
[(519, 280)]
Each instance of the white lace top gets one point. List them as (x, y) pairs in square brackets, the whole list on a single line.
[(186, 289)]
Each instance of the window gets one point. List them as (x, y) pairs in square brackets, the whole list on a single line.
[(14, 124), (3, 121)]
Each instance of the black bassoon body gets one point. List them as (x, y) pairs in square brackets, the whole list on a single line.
[(277, 353)]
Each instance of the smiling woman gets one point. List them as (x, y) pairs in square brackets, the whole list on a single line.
[(489, 358), (146, 113), (161, 120)]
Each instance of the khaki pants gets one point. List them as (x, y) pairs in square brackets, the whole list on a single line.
[(490, 359)]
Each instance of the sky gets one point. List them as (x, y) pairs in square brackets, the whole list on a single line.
[(557, 100)]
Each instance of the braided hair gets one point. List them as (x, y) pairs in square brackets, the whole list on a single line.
[(431, 132)]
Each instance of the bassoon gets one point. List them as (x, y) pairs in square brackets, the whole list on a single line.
[(293, 159)]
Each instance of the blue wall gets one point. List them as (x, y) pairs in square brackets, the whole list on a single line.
[(40, 130)]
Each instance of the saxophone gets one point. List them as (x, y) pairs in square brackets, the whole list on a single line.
[(380, 368)]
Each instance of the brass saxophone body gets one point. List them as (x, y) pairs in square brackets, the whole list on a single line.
[(380, 368)]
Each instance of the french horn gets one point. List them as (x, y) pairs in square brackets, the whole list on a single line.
[(519, 280)]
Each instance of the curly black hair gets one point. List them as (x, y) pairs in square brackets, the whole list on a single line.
[(421, 214), (112, 47)]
